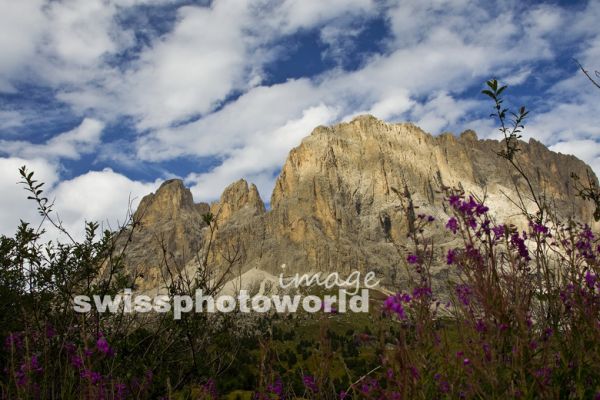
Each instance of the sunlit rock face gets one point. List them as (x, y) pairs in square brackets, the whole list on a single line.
[(341, 201)]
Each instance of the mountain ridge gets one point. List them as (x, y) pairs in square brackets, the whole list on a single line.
[(338, 203)]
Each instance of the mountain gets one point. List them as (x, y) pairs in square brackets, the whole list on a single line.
[(340, 202)]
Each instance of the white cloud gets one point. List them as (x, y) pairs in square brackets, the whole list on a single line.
[(193, 68), (81, 32), (14, 205), (586, 149), (405, 82), (543, 19), (392, 106), (58, 42), (441, 111), (261, 157), (102, 196), (518, 77), (292, 15), (211, 53), (437, 49), (21, 24), (10, 119), (70, 145), (260, 109)]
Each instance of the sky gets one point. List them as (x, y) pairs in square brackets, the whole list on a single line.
[(105, 99)]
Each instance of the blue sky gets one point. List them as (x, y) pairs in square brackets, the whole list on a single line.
[(107, 98)]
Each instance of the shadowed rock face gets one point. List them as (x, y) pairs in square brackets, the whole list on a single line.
[(339, 205), (169, 232)]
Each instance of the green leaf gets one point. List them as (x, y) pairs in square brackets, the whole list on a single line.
[(489, 93), (493, 84)]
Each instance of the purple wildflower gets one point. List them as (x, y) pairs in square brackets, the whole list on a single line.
[(452, 225), (210, 389), (480, 326), (93, 376), (544, 375), (412, 259), (121, 391), (70, 348), (481, 209), (472, 223), (487, 351), (15, 340), (450, 257), (519, 244), (421, 292), (454, 201), (21, 376), (390, 374), (276, 387), (498, 231), (77, 362), (34, 364), (50, 332), (309, 383), (539, 228), (444, 387), (104, 347), (394, 304), (464, 292), (533, 345), (590, 279)]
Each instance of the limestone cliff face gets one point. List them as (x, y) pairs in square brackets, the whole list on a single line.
[(237, 197), (340, 201), (169, 232)]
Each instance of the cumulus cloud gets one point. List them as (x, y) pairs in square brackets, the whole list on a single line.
[(70, 145), (429, 62), (201, 89), (194, 67), (21, 26), (14, 205), (10, 119), (391, 106), (260, 109), (569, 122), (441, 111), (103, 196), (270, 147), (587, 149), (301, 14)]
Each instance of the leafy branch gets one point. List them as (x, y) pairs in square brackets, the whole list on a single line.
[(586, 73), (588, 191), (43, 205), (512, 129)]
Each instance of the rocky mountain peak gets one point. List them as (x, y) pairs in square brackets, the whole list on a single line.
[(237, 197), (469, 135), (170, 200), (340, 201)]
